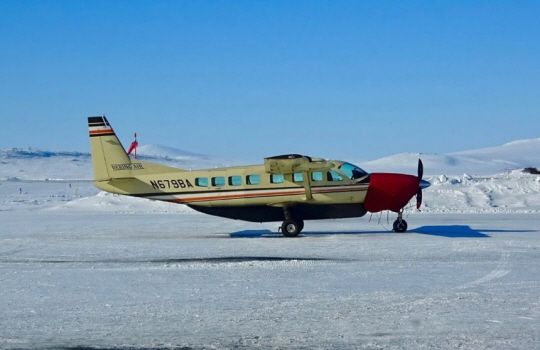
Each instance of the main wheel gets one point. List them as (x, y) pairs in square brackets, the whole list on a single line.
[(400, 225), (291, 228)]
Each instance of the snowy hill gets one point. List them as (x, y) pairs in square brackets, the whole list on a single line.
[(34, 164), (179, 158), (483, 161), (170, 153)]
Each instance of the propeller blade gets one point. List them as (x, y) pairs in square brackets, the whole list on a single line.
[(421, 184)]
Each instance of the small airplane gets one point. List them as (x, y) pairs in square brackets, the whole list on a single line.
[(290, 188)]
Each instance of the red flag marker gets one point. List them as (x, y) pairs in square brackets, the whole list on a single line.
[(133, 147)]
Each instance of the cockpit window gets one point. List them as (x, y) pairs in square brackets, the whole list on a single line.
[(352, 171)]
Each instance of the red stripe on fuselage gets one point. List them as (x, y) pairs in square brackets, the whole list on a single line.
[(261, 195)]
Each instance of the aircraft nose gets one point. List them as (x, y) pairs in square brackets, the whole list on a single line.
[(424, 184)]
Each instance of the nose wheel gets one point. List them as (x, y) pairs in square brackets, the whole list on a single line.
[(400, 225)]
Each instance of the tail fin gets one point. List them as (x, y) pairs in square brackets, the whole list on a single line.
[(109, 158)]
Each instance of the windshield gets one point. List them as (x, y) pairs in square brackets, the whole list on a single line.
[(351, 171)]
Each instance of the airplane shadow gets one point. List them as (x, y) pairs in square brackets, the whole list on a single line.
[(460, 231), (255, 234), (451, 231), (274, 234), (448, 231)]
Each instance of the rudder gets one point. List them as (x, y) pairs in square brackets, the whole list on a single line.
[(109, 158)]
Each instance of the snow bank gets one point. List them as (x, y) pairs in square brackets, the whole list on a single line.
[(512, 192), (109, 202)]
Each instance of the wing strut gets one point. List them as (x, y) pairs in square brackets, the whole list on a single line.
[(307, 185)]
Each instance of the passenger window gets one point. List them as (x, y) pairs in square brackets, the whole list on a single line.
[(218, 181), (316, 176), (253, 179), (276, 178), (298, 177), (235, 180), (333, 176), (201, 181)]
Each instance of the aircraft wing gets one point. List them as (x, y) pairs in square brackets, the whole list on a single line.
[(296, 163), (293, 163)]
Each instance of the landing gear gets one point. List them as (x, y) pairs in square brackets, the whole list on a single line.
[(400, 225), (292, 226)]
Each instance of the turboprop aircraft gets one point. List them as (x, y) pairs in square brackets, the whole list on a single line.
[(290, 188)]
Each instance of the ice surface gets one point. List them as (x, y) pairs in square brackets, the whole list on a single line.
[(112, 280), (81, 268)]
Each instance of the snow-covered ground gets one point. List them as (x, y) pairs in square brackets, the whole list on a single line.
[(82, 268), (169, 280)]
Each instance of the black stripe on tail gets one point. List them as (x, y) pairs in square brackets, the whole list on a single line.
[(99, 126), (98, 121)]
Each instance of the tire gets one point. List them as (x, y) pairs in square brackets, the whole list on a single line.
[(400, 225), (291, 228)]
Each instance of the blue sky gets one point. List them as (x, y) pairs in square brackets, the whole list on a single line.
[(338, 79)]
